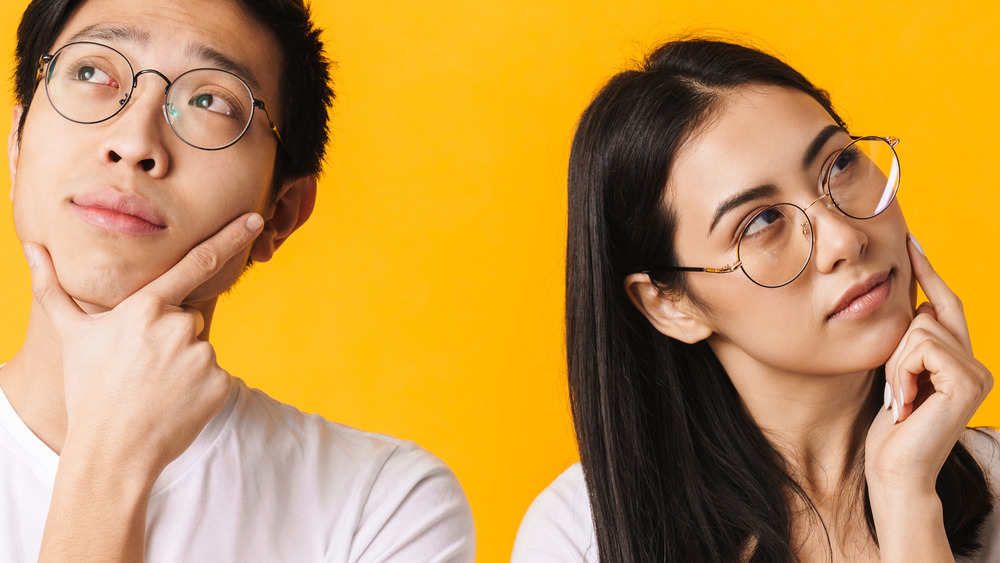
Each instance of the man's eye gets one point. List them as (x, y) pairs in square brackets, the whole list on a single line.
[(212, 103), (93, 75)]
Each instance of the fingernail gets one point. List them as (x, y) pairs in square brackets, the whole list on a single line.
[(255, 222), (29, 255), (913, 239), (887, 400), (895, 412)]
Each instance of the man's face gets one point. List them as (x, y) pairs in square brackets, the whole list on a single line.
[(118, 203)]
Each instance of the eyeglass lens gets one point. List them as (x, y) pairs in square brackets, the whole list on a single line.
[(777, 243), (207, 108)]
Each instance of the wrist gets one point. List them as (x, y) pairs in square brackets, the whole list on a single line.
[(131, 472), (909, 525)]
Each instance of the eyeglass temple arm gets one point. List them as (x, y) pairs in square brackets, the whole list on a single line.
[(270, 122), (723, 270), (42, 61), (893, 141)]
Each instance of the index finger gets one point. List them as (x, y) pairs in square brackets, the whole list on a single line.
[(205, 260), (947, 305)]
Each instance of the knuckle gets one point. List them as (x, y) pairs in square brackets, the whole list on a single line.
[(919, 335), (145, 306), (42, 293), (204, 258), (959, 306)]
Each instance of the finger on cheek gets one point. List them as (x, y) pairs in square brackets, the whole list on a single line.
[(918, 261)]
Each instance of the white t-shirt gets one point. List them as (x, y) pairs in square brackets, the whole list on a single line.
[(558, 526), (265, 482)]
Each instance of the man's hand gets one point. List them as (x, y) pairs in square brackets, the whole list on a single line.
[(140, 385)]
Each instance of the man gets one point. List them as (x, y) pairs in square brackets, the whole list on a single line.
[(141, 189)]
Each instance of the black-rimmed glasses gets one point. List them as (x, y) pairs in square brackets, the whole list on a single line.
[(776, 243), (208, 108)]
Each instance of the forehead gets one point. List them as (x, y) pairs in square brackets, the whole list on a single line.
[(173, 36), (759, 135)]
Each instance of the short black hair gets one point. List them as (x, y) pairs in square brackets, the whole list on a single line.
[(305, 86)]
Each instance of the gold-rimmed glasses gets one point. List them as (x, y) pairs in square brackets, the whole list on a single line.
[(777, 242)]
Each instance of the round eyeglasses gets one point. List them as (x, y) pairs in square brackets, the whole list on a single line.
[(208, 108), (777, 242)]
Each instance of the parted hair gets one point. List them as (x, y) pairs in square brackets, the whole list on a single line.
[(675, 467)]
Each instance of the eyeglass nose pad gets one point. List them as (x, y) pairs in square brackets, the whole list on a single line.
[(169, 112), (805, 229)]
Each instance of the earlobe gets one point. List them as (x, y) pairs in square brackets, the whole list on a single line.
[(14, 145), (292, 208), (673, 316)]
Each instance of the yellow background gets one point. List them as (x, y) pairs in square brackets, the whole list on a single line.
[(424, 297)]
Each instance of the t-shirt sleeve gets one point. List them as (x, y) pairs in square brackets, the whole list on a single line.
[(558, 526), (416, 512)]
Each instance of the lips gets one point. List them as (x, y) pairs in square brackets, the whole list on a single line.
[(863, 297), (115, 211)]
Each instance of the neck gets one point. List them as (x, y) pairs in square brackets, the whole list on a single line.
[(33, 379), (817, 422)]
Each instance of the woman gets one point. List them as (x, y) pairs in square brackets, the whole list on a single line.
[(749, 380)]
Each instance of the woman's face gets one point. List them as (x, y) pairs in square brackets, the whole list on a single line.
[(773, 145)]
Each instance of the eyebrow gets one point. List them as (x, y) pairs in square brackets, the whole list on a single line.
[(759, 192), (225, 62), (131, 34), (115, 33), (741, 198), (817, 144)]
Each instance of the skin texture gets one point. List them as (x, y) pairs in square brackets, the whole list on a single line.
[(187, 186), (116, 370), (803, 374)]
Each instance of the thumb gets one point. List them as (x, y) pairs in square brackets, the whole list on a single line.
[(52, 298)]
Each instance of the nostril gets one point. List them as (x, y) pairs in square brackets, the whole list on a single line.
[(147, 164), (115, 157)]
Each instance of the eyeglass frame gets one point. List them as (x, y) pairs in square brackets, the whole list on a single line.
[(738, 265), (47, 58)]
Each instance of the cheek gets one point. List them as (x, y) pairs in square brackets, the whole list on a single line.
[(224, 190)]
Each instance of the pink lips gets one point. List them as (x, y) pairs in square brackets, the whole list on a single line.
[(863, 298), (122, 213)]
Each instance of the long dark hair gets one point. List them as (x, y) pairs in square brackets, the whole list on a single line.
[(676, 469)]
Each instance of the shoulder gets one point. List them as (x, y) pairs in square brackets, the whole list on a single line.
[(409, 504), (258, 416), (984, 445), (558, 525)]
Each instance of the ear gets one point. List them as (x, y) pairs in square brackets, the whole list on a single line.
[(14, 144), (675, 317), (294, 205)]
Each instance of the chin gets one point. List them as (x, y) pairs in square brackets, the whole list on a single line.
[(96, 294), (885, 339)]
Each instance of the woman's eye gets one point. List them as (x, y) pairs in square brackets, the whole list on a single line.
[(844, 160), (762, 221), (213, 103)]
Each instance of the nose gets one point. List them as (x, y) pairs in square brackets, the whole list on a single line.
[(136, 135), (837, 238)]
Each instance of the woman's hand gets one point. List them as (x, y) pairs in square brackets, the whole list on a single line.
[(934, 386)]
